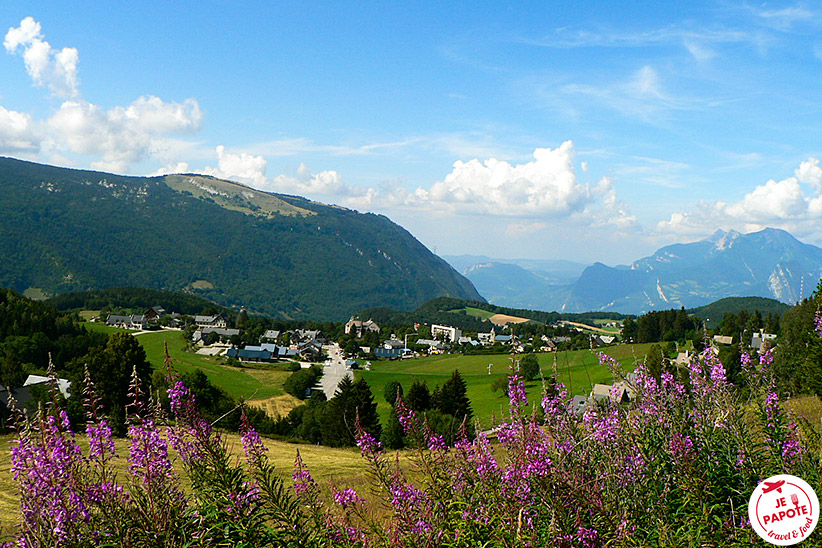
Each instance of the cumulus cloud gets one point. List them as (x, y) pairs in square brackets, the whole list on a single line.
[(118, 136), (781, 204), (242, 167), (18, 132), (325, 185), (546, 186), (810, 173), (55, 69), (179, 167)]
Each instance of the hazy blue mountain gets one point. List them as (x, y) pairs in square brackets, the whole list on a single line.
[(519, 283), (770, 263), (64, 230)]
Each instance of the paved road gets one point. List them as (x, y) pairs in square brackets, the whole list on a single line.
[(334, 371)]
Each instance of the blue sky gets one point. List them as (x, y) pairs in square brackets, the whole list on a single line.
[(576, 130)]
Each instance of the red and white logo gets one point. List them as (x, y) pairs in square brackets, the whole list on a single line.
[(783, 510)]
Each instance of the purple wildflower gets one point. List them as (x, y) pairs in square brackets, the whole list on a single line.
[(304, 484), (253, 445), (347, 498)]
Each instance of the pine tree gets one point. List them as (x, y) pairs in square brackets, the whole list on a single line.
[(340, 416), (453, 398), (418, 397), (392, 434)]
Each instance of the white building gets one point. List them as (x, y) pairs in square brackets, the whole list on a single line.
[(451, 333)]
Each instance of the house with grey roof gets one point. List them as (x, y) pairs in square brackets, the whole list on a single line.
[(761, 339)]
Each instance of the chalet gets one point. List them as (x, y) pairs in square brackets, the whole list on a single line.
[(311, 351), (579, 404), (392, 344), (617, 393), (217, 320), (722, 339), (683, 359), (548, 345), (62, 384), (603, 340), (202, 334), (761, 339), (305, 335), (356, 328), (451, 333), (25, 396), (261, 354), (431, 344), (134, 321), (388, 353), (271, 335), (155, 313), (504, 339)]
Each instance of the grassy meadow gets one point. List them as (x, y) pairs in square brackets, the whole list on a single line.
[(344, 466), (249, 383), (578, 370)]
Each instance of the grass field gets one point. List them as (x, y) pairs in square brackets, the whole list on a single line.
[(240, 382), (344, 466), (478, 313), (579, 370)]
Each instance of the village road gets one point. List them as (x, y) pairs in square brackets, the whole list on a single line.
[(334, 371)]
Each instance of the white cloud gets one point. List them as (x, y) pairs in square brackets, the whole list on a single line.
[(810, 173), (179, 167), (18, 132), (779, 204), (641, 94), (117, 137), (326, 185), (244, 167), (120, 136), (55, 69), (545, 186)]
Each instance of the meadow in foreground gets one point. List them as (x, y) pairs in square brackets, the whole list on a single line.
[(675, 468)]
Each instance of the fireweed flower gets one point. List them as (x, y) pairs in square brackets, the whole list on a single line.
[(368, 445), (47, 462), (516, 395), (347, 498), (681, 448), (304, 484), (253, 445)]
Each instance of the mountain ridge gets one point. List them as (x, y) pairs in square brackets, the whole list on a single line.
[(768, 263), (68, 230)]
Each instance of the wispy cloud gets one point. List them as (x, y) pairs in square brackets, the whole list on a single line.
[(701, 43), (785, 18), (642, 94)]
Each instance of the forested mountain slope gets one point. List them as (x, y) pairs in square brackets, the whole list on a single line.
[(65, 230)]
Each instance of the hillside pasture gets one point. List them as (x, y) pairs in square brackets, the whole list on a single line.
[(247, 383), (578, 370)]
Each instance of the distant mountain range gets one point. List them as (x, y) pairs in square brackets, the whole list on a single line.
[(64, 230), (769, 263)]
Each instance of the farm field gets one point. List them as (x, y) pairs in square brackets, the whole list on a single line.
[(578, 370)]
